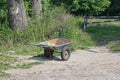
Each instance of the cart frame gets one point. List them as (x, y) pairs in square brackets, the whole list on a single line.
[(60, 44)]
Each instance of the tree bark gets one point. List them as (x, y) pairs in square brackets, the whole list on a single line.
[(37, 7), (17, 14)]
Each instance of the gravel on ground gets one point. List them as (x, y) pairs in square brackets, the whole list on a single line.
[(96, 63)]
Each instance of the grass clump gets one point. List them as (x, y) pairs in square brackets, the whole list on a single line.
[(5, 63), (29, 65), (114, 45), (3, 74)]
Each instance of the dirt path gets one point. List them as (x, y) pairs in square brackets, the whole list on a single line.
[(92, 64)]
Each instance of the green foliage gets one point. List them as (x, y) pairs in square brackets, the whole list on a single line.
[(3, 5), (27, 4), (85, 7), (3, 10), (46, 6)]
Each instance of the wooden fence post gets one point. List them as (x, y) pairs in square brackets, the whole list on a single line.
[(85, 23)]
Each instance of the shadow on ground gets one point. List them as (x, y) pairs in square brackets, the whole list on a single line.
[(42, 58)]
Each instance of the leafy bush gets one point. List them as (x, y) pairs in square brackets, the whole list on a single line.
[(84, 7)]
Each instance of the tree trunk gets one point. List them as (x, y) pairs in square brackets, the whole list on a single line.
[(17, 14), (37, 7)]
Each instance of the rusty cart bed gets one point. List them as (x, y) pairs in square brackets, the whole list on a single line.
[(56, 44)]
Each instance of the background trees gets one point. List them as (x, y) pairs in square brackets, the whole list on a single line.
[(113, 9), (89, 7), (84, 7)]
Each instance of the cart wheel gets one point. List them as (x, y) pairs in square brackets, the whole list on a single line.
[(65, 54)]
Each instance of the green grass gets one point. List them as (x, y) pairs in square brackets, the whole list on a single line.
[(105, 33), (29, 65), (108, 31), (114, 45), (3, 74), (5, 63), (27, 50)]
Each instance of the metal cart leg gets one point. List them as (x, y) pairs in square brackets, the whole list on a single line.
[(48, 53)]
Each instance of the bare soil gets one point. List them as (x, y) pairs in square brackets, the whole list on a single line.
[(96, 63)]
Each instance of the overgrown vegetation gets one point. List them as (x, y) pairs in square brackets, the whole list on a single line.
[(56, 22)]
